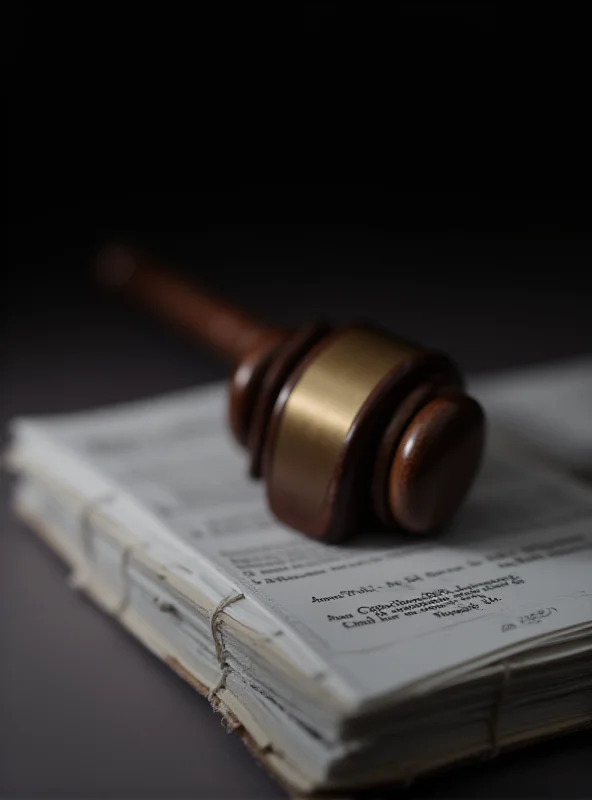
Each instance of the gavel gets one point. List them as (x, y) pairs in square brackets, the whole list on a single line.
[(350, 428)]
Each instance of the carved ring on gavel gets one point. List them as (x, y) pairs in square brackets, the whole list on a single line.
[(348, 427)]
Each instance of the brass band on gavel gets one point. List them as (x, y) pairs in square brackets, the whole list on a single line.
[(349, 428)]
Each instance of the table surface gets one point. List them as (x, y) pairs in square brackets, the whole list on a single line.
[(85, 711)]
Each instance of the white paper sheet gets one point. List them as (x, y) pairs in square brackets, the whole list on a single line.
[(546, 406)]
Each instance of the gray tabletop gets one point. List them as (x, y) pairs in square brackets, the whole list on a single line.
[(85, 711)]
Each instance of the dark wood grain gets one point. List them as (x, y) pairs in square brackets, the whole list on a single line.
[(436, 462), (246, 384)]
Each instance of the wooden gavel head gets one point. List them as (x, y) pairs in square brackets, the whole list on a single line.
[(348, 427)]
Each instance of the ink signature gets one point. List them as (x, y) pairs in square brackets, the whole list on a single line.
[(534, 618)]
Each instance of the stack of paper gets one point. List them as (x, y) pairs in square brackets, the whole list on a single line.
[(342, 666)]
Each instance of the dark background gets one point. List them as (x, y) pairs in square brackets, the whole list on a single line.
[(415, 165)]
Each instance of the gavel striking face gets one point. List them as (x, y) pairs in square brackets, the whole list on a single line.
[(348, 427)]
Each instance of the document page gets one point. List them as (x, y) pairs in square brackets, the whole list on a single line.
[(385, 611), (548, 407)]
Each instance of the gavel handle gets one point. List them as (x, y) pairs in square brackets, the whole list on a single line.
[(218, 324)]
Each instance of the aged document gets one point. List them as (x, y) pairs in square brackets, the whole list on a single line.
[(382, 614)]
